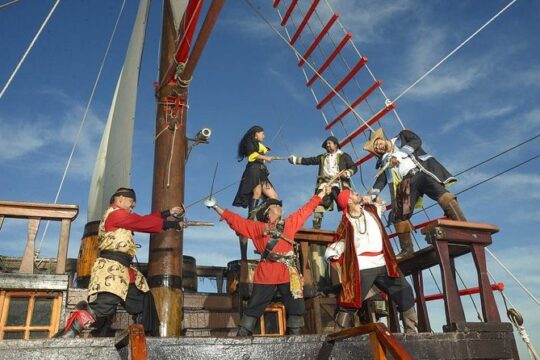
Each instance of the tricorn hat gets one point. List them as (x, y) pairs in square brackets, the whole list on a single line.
[(377, 134), (332, 139), (261, 213)]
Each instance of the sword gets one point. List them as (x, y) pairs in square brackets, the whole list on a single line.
[(383, 169), (278, 158), (189, 223), (210, 200)]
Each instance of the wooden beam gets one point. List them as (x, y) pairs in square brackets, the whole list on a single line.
[(27, 263), (63, 244), (22, 210)]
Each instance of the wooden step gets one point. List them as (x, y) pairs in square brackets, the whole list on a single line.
[(208, 301), (205, 319)]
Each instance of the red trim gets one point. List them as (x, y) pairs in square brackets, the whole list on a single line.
[(371, 253), (318, 38), (304, 21), (467, 291), (363, 127), (354, 104), (364, 159), (346, 79), (289, 12), (276, 3)]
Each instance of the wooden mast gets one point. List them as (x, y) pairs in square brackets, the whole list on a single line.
[(166, 248)]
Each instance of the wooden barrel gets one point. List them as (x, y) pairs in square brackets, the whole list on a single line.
[(233, 276), (189, 274), (88, 253)]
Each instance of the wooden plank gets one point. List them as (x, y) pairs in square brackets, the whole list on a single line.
[(27, 263), (492, 229), (489, 307), (452, 301), (63, 247), (322, 237), (19, 210), (137, 342)]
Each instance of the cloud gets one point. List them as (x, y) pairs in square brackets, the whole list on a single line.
[(18, 140), (468, 116)]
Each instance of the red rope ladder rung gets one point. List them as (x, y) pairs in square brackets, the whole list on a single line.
[(354, 104), (276, 3), (289, 12), (342, 83), (331, 58), (318, 38), (304, 22), (467, 291), (371, 121), (364, 159)]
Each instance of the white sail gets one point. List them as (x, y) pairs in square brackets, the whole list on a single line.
[(113, 163), (178, 8)]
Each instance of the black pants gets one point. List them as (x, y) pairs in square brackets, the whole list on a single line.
[(136, 303), (398, 289), (422, 184), (328, 200), (263, 294)]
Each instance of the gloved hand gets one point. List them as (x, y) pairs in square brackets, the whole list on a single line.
[(210, 202), (293, 159), (165, 214), (176, 225)]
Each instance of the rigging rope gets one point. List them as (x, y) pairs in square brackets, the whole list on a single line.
[(323, 79), (29, 48), (8, 3), (454, 51), (77, 137)]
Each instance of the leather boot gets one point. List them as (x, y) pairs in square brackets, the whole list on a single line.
[(410, 321), (81, 319), (403, 229), (247, 324), (344, 320), (451, 208), (295, 323), (254, 206), (317, 220)]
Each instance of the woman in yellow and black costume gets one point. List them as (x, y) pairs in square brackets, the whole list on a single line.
[(255, 183)]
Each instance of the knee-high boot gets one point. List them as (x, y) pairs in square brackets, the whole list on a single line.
[(451, 208), (254, 205), (403, 230), (410, 321), (295, 323), (344, 320), (247, 324), (81, 319)]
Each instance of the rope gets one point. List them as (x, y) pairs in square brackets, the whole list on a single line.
[(517, 320), (29, 48), (77, 137), (8, 3), (170, 157), (513, 277), (454, 51), (366, 65)]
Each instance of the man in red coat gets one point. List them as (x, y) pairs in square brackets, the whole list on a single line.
[(363, 248), (273, 237), (114, 280)]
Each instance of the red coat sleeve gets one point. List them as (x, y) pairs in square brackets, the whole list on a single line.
[(297, 219), (124, 219), (247, 228)]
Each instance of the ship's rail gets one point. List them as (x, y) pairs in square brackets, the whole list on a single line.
[(34, 213)]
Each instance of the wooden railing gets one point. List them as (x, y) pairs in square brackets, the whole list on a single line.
[(34, 213), (381, 340)]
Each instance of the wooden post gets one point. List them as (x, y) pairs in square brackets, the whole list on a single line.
[(27, 262), (63, 246), (421, 308), (137, 342), (489, 307)]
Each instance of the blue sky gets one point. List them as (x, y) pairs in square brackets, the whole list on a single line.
[(479, 102)]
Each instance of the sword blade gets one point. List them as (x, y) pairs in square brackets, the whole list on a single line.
[(213, 180)]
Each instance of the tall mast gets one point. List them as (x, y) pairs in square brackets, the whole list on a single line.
[(166, 248)]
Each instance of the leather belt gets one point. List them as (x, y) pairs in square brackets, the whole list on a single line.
[(122, 258)]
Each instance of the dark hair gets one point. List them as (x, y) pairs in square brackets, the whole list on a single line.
[(247, 140)]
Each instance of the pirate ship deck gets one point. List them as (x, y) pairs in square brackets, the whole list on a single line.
[(35, 304), (36, 298)]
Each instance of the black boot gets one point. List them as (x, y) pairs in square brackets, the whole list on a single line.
[(247, 324), (295, 323), (254, 206), (81, 319)]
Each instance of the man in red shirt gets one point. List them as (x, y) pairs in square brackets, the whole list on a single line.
[(273, 238), (113, 279)]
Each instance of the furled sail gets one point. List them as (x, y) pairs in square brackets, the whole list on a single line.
[(113, 163), (178, 9)]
